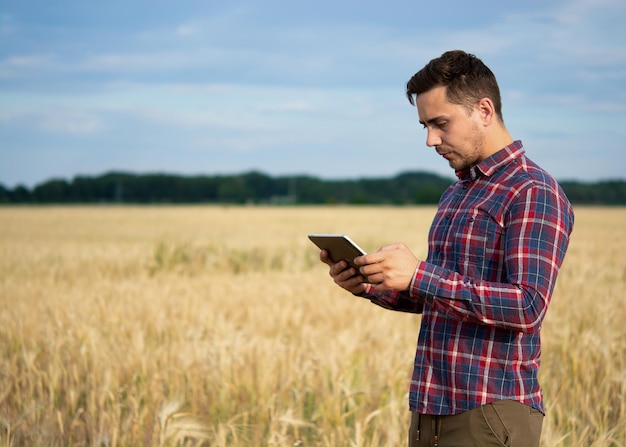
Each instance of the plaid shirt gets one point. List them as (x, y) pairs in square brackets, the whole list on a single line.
[(494, 250)]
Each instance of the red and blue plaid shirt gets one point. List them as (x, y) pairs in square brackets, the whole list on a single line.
[(494, 250)]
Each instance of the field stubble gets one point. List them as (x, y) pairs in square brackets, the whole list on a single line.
[(159, 326)]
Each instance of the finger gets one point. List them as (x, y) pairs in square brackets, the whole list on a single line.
[(350, 282), (337, 267), (370, 269), (371, 258), (325, 257), (347, 275), (376, 278), (396, 246)]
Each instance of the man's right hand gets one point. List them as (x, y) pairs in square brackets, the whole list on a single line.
[(345, 277)]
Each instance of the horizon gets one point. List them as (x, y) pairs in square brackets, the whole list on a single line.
[(452, 178)]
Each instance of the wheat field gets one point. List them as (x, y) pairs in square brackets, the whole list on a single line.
[(218, 326)]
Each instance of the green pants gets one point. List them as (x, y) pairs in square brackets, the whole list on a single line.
[(504, 423)]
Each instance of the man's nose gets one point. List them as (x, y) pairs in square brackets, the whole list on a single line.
[(433, 138)]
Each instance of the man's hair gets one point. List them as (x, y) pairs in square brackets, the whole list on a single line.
[(466, 78)]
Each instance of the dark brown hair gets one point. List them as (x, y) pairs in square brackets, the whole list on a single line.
[(466, 78)]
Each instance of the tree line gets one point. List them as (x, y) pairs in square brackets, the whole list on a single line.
[(259, 188)]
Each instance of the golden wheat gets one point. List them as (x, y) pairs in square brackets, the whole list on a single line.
[(194, 326)]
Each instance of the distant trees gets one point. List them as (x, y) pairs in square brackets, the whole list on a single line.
[(259, 188), (608, 192)]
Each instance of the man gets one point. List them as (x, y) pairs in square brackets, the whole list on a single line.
[(495, 247)]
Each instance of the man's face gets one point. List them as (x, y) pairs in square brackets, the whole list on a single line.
[(453, 131)]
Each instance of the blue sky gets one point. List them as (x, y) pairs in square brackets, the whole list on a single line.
[(287, 87)]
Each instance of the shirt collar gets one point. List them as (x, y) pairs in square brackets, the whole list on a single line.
[(491, 164)]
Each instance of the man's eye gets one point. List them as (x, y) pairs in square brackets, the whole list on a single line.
[(441, 124)]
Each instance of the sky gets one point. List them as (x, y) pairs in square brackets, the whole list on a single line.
[(208, 87)]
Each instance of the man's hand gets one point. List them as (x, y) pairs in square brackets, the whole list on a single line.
[(390, 268), (347, 278)]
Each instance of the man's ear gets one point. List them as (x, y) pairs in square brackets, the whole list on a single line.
[(486, 111)]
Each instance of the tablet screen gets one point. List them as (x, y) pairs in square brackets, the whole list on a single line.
[(339, 246)]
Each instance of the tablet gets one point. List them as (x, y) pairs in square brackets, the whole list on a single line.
[(339, 247)]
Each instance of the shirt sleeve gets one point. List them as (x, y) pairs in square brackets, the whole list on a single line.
[(536, 238), (393, 300)]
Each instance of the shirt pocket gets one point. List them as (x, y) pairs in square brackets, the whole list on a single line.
[(479, 245)]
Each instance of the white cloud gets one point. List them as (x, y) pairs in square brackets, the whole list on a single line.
[(291, 106), (74, 122), (187, 30), (578, 12), (14, 66)]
